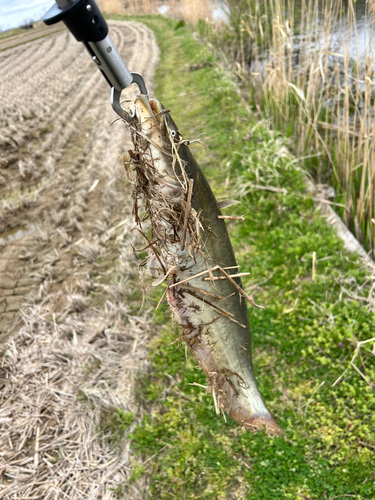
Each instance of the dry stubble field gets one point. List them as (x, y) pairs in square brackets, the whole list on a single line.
[(66, 266)]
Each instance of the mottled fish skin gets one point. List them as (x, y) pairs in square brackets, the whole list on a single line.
[(222, 347)]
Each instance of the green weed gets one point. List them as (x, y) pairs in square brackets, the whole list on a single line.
[(115, 424)]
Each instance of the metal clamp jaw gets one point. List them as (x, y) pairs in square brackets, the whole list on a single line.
[(85, 21)]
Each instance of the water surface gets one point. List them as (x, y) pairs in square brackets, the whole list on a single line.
[(16, 234)]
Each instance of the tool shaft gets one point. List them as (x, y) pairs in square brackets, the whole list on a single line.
[(85, 21), (109, 61)]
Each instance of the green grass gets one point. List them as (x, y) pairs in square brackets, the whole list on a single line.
[(302, 342), (12, 32)]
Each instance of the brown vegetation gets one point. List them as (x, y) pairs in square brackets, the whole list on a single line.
[(189, 10), (303, 67)]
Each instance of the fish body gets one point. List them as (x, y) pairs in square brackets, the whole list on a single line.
[(211, 313)]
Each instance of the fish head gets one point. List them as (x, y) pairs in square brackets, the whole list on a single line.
[(156, 122), (163, 140)]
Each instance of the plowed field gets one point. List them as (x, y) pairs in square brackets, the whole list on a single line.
[(58, 158), (70, 340)]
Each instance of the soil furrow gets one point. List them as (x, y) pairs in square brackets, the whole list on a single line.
[(66, 178), (36, 35), (32, 59), (66, 284)]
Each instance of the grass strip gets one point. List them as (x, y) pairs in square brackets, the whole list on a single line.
[(316, 310)]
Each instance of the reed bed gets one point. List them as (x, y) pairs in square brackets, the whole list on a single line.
[(131, 7), (112, 6), (302, 65), (190, 11)]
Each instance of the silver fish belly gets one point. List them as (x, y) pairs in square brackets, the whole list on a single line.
[(191, 245)]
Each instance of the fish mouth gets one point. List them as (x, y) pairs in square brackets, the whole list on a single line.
[(150, 113), (159, 129)]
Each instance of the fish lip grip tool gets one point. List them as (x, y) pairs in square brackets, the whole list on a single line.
[(85, 21)]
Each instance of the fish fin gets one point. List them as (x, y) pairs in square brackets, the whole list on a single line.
[(266, 424)]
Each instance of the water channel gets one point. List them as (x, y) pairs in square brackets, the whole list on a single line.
[(362, 37)]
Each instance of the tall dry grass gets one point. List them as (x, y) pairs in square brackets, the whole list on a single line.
[(132, 7), (315, 85), (189, 10), (192, 11), (111, 6)]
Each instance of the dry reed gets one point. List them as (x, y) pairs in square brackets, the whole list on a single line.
[(304, 67), (112, 6), (189, 10)]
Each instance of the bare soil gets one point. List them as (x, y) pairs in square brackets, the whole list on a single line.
[(15, 37), (57, 149), (72, 340)]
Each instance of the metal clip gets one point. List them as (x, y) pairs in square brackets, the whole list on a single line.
[(116, 96)]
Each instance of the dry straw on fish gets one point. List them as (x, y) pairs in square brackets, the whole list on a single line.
[(172, 219), (174, 223)]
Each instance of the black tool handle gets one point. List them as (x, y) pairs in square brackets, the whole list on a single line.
[(82, 17)]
